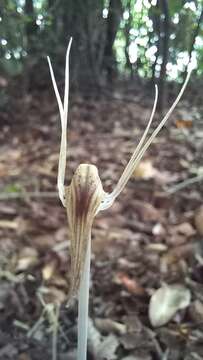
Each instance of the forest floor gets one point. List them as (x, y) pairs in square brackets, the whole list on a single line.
[(151, 235)]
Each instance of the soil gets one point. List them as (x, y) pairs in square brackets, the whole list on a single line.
[(152, 235)]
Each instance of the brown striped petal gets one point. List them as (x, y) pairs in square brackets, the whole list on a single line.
[(83, 197)]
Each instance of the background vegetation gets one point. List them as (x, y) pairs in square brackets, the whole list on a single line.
[(154, 40)]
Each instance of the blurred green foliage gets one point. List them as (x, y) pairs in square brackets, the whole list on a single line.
[(31, 29)]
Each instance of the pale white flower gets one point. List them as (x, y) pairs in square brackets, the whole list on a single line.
[(85, 196)]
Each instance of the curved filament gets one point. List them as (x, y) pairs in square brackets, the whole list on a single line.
[(141, 149), (63, 110)]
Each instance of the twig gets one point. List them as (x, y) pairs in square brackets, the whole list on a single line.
[(184, 184), (21, 325), (55, 332), (52, 310), (156, 343), (61, 246), (11, 277), (83, 307), (43, 194), (166, 355), (36, 326), (196, 356)]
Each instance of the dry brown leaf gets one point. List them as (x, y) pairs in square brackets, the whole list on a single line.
[(108, 325), (144, 170), (94, 337), (133, 323), (183, 229), (59, 281), (24, 356), (7, 209), (53, 295), (196, 311), (49, 270), (146, 211), (107, 349), (27, 258), (8, 351), (44, 170), (183, 251), (174, 261), (133, 340), (8, 224), (44, 242), (158, 247), (131, 285), (184, 124)]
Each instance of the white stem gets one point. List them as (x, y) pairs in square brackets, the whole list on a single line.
[(83, 307)]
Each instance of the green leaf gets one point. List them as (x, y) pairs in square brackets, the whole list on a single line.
[(175, 6), (12, 66), (13, 188)]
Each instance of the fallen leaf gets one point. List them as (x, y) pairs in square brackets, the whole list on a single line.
[(27, 258), (132, 285), (183, 229), (182, 251), (146, 211), (8, 224), (133, 323), (48, 271), (144, 170), (44, 242), (166, 301), (8, 351), (7, 210), (56, 296), (108, 325), (130, 340), (52, 264), (157, 247), (107, 349), (196, 311), (136, 340), (184, 124), (94, 337), (24, 356)]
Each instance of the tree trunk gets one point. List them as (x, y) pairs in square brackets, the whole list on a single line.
[(195, 34), (157, 30), (31, 26), (165, 53), (127, 28), (113, 21)]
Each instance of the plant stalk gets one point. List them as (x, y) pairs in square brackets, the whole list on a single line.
[(83, 307), (55, 331)]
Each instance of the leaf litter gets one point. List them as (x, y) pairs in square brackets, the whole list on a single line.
[(149, 237)]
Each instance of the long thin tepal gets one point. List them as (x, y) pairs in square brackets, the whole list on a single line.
[(140, 151), (127, 171), (63, 110)]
